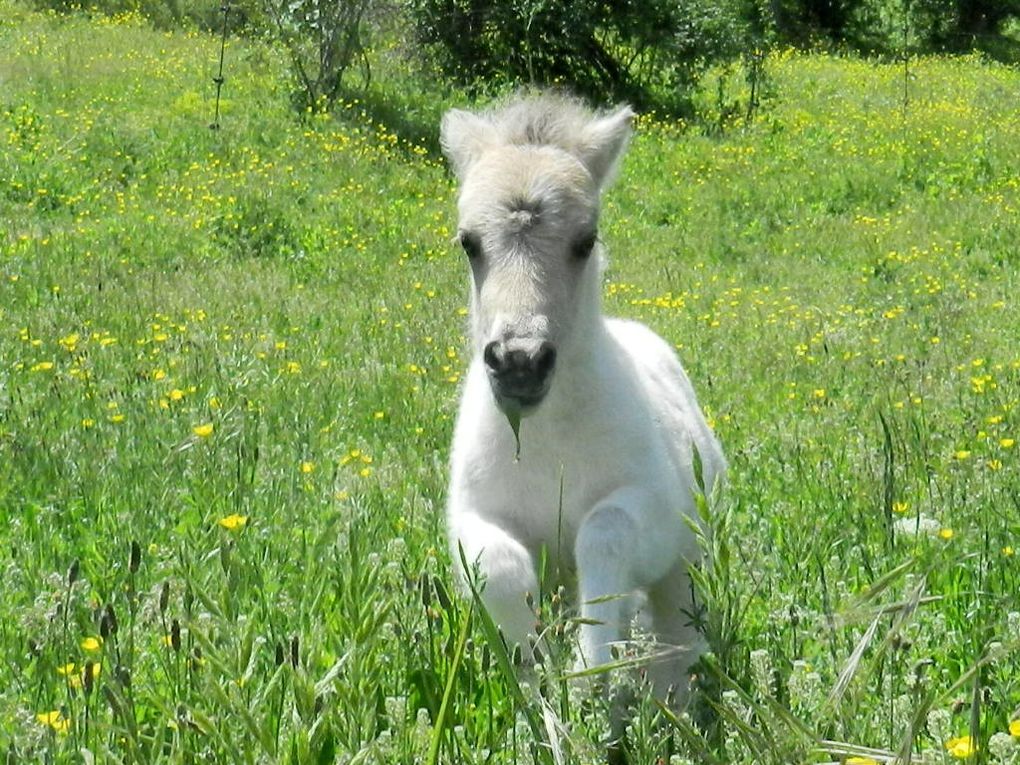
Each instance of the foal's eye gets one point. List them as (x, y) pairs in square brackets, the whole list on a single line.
[(583, 247), (471, 244)]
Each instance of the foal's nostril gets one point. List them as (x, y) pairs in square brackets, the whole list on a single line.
[(492, 358), (545, 360)]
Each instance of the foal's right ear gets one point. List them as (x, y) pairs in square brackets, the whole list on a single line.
[(604, 141), (462, 136)]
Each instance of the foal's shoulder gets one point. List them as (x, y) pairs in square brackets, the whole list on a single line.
[(640, 342), (657, 364)]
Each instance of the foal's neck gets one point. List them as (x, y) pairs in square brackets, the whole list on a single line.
[(583, 365)]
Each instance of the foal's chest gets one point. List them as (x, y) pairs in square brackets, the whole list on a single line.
[(544, 495)]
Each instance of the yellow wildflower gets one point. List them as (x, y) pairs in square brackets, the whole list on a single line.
[(860, 761), (203, 431), (307, 467), (92, 643), (1007, 443), (961, 747), (42, 366), (1014, 728), (176, 394), (55, 720), (946, 534), (900, 507), (234, 522), (69, 673)]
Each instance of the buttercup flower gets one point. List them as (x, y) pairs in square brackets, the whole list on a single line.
[(54, 720), (234, 522), (961, 747)]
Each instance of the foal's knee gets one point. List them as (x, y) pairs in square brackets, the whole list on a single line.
[(505, 575), (630, 537), (605, 539)]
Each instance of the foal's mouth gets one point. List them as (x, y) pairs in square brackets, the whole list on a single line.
[(519, 403), (517, 406)]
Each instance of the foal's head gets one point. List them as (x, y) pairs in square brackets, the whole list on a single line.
[(530, 176)]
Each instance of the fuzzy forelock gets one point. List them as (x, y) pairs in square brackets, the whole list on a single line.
[(547, 118)]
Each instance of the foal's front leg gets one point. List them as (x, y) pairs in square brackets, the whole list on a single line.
[(626, 542), (507, 574)]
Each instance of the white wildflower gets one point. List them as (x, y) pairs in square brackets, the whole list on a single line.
[(921, 526), (1003, 748), (940, 724)]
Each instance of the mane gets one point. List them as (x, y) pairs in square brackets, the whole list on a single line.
[(542, 119)]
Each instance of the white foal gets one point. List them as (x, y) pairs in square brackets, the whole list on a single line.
[(604, 481)]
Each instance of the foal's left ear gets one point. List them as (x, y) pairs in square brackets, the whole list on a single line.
[(604, 143)]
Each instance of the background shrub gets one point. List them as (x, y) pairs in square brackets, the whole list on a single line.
[(650, 53), (324, 39)]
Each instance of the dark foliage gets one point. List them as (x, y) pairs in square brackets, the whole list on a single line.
[(961, 25), (649, 52)]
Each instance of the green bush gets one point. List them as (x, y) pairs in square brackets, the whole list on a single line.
[(885, 26), (650, 53), (324, 39), (961, 25), (803, 21)]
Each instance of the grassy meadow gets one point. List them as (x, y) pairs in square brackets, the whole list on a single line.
[(229, 364)]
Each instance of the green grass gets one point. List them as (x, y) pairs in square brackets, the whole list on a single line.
[(839, 278)]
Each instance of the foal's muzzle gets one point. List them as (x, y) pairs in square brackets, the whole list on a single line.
[(520, 371)]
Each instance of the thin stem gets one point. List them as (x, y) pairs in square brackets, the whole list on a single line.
[(218, 79)]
